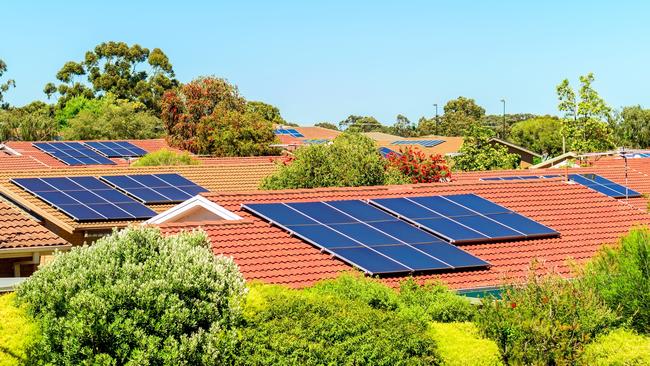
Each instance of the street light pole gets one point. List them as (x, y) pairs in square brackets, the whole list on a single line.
[(436, 105), (504, 119)]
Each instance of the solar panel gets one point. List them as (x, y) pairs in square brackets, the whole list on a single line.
[(288, 131), (85, 198), (116, 149), (316, 141), (73, 153), (522, 177), (384, 151), (637, 155), (464, 218), (604, 186), (155, 188), (425, 143), (365, 237), (293, 132)]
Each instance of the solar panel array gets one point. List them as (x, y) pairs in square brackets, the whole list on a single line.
[(464, 218), (155, 188), (522, 177), (116, 149), (384, 151), (604, 186), (637, 155), (85, 198), (73, 153), (365, 236), (316, 141), (425, 143), (288, 131)]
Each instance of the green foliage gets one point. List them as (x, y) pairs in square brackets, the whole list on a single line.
[(634, 128), (435, 302), (4, 87), (132, 73), (108, 119), (584, 123), (18, 332), (33, 122), (351, 160), (268, 112), (327, 125), (621, 276), (460, 115), (134, 297), (477, 153), (419, 167), (403, 127), (542, 135), (288, 327), (495, 122), (459, 344), (546, 321), (362, 124), (166, 157), (208, 116), (619, 347)]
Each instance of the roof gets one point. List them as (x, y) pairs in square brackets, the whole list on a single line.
[(317, 133), (17, 231), (450, 145), (549, 163), (233, 175), (9, 162), (27, 149), (380, 136), (585, 219)]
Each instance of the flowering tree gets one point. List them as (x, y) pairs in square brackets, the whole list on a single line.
[(420, 167)]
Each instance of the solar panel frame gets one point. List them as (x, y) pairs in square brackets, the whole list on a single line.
[(155, 188), (72, 153), (84, 199), (116, 149)]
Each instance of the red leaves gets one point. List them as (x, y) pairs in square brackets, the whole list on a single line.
[(420, 167)]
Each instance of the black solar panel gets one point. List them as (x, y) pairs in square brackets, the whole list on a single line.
[(116, 149), (155, 188), (73, 153)]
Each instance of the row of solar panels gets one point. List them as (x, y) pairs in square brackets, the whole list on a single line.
[(110, 197), (91, 152), (593, 181), (405, 234), (637, 155), (288, 131), (425, 143)]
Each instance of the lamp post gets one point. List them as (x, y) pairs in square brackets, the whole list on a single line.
[(436, 105), (504, 119)]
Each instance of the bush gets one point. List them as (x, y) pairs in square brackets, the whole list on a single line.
[(291, 327), (33, 122), (420, 168), (18, 332), (546, 321), (621, 276), (478, 153), (619, 347), (459, 344), (166, 157), (352, 160), (134, 297)]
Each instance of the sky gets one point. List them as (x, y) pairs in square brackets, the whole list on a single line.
[(324, 60)]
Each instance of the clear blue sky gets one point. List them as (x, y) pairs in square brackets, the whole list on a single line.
[(321, 61)]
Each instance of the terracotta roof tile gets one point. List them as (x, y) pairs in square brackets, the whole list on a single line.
[(20, 231)]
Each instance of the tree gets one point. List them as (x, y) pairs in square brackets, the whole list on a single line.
[(460, 114), (117, 68), (166, 157), (208, 116), (361, 124), (351, 160), (327, 125), (477, 153), (495, 121), (112, 119), (4, 87), (268, 112), (134, 297), (419, 167), (540, 134), (403, 127), (584, 125), (33, 122), (633, 129)]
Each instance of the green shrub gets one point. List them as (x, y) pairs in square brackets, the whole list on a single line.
[(134, 297), (166, 157), (459, 344), (546, 321), (621, 276), (357, 287), (18, 332), (436, 302), (297, 327), (619, 347)]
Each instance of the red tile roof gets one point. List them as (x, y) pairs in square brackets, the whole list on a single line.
[(20, 231), (585, 219), (9, 162)]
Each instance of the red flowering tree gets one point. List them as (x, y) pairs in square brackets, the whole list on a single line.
[(420, 167)]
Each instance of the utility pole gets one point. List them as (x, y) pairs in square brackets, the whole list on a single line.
[(504, 119), (436, 105)]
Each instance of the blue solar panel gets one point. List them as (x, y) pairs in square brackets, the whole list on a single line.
[(464, 218), (155, 188), (365, 236), (85, 198), (116, 149), (522, 177), (73, 153), (384, 151), (425, 143), (604, 186)]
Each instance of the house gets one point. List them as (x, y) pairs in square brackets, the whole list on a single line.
[(583, 218), (291, 137)]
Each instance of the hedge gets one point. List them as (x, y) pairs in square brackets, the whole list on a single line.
[(459, 344), (18, 332)]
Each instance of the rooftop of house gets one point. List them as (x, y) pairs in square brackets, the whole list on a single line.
[(18, 231), (584, 218)]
